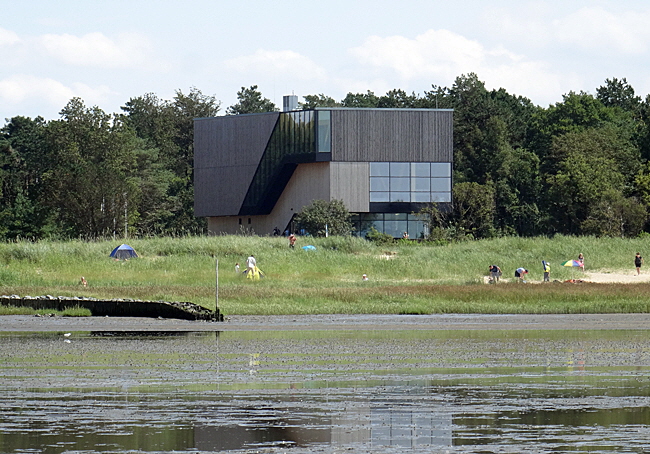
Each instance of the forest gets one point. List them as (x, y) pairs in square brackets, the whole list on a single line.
[(578, 167)]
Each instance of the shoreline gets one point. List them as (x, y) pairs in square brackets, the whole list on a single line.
[(633, 321)]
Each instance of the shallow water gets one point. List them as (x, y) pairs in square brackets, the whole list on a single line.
[(326, 391)]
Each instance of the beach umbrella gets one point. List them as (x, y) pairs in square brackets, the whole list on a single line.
[(571, 263), (123, 252)]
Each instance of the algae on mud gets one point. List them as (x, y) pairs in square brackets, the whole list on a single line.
[(313, 391)]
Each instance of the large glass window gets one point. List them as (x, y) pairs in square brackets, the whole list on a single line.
[(421, 197), (394, 224), (441, 196), (419, 182), (420, 169), (395, 228), (441, 169), (399, 169), (379, 169), (293, 135), (440, 185), (324, 131), (399, 184), (380, 196), (400, 196), (378, 184)]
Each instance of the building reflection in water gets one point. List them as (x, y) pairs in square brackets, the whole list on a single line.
[(369, 426)]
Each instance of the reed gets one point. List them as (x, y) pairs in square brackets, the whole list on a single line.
[(404, 277)]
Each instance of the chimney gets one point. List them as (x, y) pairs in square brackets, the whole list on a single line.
[(289, 103)]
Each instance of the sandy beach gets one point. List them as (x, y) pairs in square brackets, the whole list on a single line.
[(597, 276)]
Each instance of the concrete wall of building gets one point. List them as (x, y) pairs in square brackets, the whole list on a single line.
[(347, 181), (309, 182), (392, 135), (227, 151)]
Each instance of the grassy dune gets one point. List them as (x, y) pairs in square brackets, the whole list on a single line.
[(405, 277)]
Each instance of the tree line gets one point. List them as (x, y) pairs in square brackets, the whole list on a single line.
[(580, 166)]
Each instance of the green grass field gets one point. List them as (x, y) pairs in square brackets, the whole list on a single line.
[(404, 277)]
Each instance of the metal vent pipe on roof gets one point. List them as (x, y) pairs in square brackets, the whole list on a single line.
[(289, 103)]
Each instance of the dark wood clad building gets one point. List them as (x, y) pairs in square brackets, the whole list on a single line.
[(254, 172)]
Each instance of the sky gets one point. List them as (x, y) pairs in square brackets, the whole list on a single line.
[(109, 52)]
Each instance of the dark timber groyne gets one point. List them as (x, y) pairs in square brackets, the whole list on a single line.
[(116, 307)]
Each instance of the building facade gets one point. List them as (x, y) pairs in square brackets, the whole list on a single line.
[(253, 172)]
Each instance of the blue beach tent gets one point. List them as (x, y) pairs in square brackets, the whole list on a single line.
[(123, 252)]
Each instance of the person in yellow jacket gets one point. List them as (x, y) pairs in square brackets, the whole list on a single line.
[(547, 271)]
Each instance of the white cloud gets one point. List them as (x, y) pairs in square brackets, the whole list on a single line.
[(279, 63), (8, 38), (435, 53), (13, 50), (18, 89), (605, 32), (533, 80), (617, 29), (439, 56), (128, 50)]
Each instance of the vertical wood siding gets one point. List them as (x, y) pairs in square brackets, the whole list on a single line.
[(350, 182), (227, 151), (392, 135)]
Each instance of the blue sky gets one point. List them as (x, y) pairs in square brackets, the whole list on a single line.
[(109, 52)]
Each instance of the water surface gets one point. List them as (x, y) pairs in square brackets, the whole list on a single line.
[(333, 391)]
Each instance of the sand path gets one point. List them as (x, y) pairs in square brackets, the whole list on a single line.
[(600, 277), (619, 276)]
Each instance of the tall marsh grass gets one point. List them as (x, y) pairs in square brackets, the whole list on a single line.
[(69, 312), (405, 277)]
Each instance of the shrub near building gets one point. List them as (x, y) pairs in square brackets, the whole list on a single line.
[(321, 217)]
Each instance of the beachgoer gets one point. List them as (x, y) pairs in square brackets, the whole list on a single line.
[(237, 268), (547, 271), (495, 273), (405, 235), (251, 263), (581, 261), (521, 273), (252, 271), (84, 282), (292, 240), (638, 261), (364, 277)]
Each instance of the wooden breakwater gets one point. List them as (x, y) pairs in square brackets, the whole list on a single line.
[(116, 307)]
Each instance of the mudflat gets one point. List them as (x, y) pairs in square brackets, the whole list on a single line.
[(10, 323), (326, 383)]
